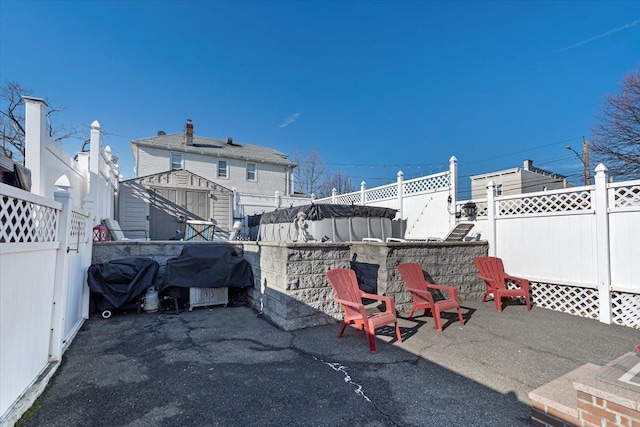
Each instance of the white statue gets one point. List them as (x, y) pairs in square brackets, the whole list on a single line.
[(301, 225)]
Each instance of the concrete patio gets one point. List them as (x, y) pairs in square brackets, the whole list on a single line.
[(229, 366)]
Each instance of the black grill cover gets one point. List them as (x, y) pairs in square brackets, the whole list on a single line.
[(121, 281), (209, 266)]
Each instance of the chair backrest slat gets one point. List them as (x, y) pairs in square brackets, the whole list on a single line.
[(344, 284), (493, 269)]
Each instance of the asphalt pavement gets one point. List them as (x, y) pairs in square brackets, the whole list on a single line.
[(231, 367)]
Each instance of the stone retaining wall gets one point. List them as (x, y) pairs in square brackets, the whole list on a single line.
[(291, 288)]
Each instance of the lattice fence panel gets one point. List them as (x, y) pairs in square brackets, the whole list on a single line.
[(567, 299), (381, 193), (560, 202), (78, 227), (481, 208), (624, 197), (23, 221), (427, 184), (348, 199), (625, 309)]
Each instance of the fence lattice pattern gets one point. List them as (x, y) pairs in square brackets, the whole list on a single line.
[(427, 184), (625, 309), (347, 199), (567, 299), (78, 227), (380, 193), (23, 221), (560, 202), (626, 196)]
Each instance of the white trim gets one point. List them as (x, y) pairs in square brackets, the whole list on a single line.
[(226, 169), (171, 162), (17, 193), (255, 172), (12, 248)]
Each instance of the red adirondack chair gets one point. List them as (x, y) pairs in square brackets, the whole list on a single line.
[(492, 272), (414, 281), (349, 296)]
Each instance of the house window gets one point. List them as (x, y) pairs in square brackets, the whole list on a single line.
[(176, 161), (251, 172), (499, 190), (222, 169)]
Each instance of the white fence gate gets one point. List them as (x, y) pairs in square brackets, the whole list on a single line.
[(45, 250)]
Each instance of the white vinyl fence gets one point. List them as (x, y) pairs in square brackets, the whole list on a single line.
[(425, 205), (578, 246), (45, 250)]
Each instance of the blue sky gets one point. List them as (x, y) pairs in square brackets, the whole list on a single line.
[(374, 86)]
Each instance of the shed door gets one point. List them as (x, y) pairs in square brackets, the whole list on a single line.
[(164, 214), (196, 203), (171, 207)]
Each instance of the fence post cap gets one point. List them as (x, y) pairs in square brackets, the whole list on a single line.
[(601, 168), (95, 125), (63, 183), (453, 159)]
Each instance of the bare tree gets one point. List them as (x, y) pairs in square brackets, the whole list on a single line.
[(311, 168), (340, 182), (616, 135), (12, 127)]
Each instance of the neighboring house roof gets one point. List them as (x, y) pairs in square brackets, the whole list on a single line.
[(215, 148), (528, 166)]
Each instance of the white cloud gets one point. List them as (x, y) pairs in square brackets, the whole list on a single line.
[(292, 118), (599, 36)]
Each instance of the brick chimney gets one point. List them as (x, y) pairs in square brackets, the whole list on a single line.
[(188, 133)]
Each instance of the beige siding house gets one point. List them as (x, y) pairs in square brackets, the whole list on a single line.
[(527, 179), (248, 168)]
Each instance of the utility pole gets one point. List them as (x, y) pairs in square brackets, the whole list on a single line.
[(585, 157)]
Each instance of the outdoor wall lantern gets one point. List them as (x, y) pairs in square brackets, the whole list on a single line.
[(469, 210)]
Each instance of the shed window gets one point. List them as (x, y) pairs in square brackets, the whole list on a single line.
[(251, 172), (222, 169), (176, 161)]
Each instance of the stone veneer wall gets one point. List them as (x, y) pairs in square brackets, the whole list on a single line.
[(291, 288), (292, 291)]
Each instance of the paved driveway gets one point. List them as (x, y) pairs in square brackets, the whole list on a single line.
[(229, 366)]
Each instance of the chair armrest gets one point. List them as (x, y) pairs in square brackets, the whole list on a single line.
[(524, 283), (351, 304), (388, 301), (486, 279), (424, 294), (453, 293)]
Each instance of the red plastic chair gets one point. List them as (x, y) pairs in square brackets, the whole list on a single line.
[(414, 281), (492, 272), (349, 296)]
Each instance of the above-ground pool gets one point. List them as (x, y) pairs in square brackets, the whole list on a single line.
[(323, 223)]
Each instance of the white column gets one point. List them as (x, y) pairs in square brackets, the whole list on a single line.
[(334, 193), (491, 218), (453, 190), (35, 127), (602, 243), (400, 201), (363, 188), (277, 199), (94, 148)]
